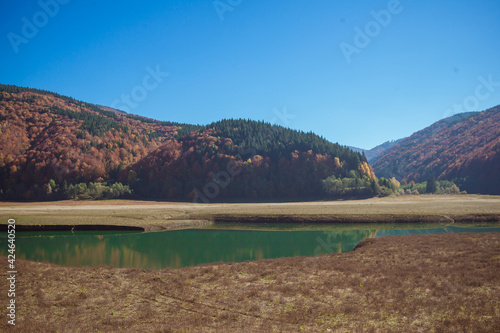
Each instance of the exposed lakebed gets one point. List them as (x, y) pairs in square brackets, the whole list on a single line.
[(227, 242)]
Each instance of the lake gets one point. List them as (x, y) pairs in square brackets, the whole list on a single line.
[(227, 242)]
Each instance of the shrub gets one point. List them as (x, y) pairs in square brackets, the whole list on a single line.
[(97, 191), (431, 185), (442, 187), (385, 192)]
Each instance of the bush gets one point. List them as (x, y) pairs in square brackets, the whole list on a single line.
[(351, 186), (442, 187), (97, 191), (385, 191)]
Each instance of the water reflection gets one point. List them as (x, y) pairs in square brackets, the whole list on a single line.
[(195, 246)]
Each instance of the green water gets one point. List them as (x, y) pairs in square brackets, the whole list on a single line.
[(221, 242)]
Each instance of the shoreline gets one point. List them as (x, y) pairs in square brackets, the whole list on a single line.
[(360, 218), (263, 219), (156, 216)]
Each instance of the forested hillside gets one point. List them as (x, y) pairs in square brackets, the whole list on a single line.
[(464, 148), (55, 147), (242, 158), (45, 136)]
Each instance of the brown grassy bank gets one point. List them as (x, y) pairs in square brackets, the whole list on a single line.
[(431, 283), (160, 215)]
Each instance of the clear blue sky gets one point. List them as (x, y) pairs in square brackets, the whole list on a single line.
[(277, 61)]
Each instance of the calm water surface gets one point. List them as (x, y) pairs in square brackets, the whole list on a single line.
[(229, 242)]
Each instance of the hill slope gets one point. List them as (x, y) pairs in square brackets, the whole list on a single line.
[(243, 158), (371, 154), (464, 148), (50, 143), (46, 136)]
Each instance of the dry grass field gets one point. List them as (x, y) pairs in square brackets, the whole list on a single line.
[(431, 283), (166, 215)]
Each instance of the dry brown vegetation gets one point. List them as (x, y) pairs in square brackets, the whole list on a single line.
[(167, 215), (440, 283)]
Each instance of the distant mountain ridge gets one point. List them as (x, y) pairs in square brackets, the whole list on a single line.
[(464, 148), (377, 150)]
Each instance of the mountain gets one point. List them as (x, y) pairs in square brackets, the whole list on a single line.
[(464, 148), (54, 147), (375, 151)]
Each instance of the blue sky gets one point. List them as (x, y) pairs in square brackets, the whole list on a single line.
[(356, 72)]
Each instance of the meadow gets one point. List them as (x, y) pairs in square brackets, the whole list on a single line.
[(418, 283), (431, 283)]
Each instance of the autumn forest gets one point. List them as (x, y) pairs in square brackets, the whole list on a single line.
[(54, 147)]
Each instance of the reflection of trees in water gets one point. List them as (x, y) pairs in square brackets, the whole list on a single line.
[(340, 240), (79, 250), (191, 247), (180, 248)]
